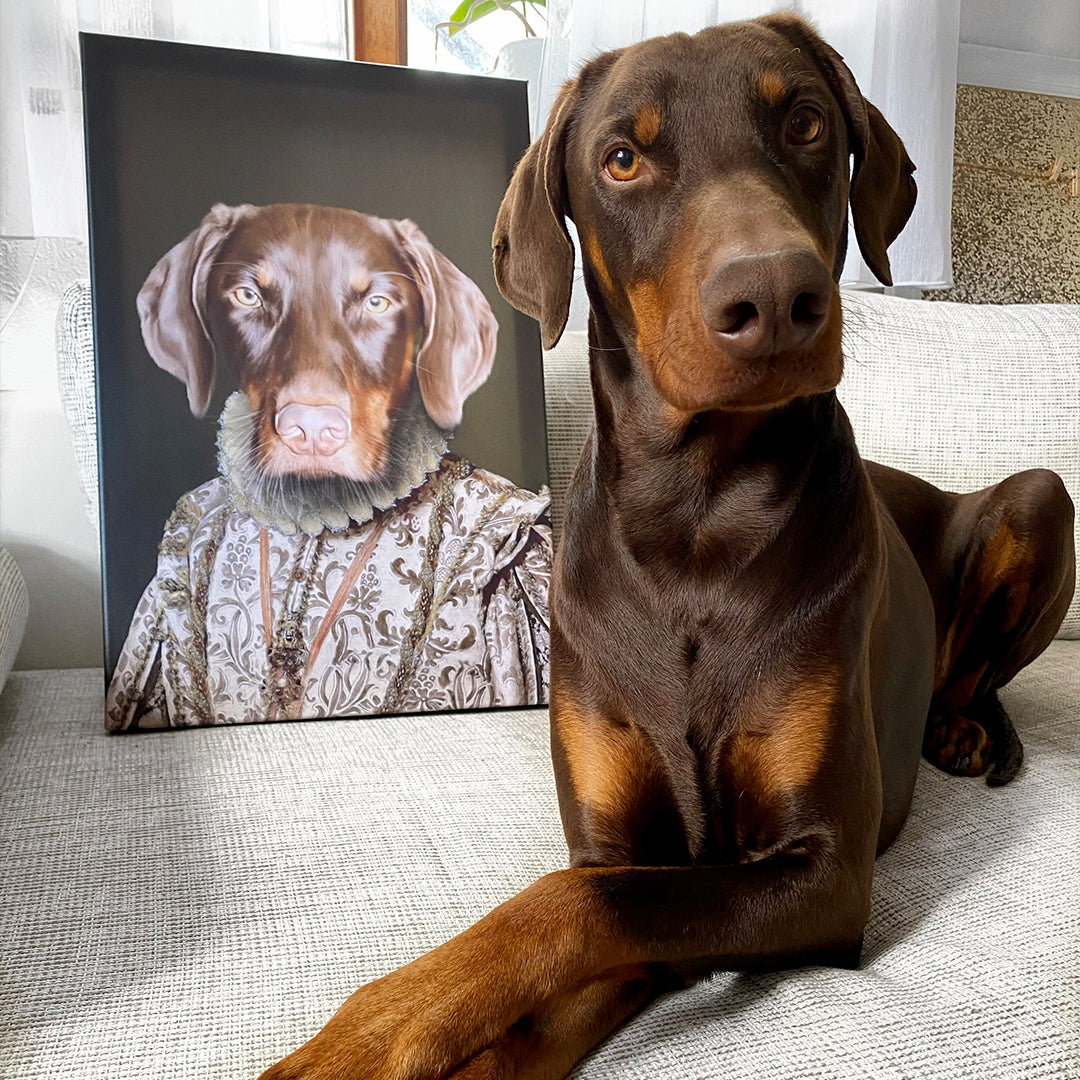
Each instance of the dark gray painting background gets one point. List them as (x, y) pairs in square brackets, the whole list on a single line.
[(173, 129)]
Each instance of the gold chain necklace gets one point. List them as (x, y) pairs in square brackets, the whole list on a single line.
[(286, 650), (290, 661)]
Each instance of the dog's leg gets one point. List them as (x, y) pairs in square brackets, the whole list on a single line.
[(1016, 569), (806, 904), (548, 1044)]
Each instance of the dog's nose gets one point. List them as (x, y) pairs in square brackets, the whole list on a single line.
[(319, 430), (767, 303)]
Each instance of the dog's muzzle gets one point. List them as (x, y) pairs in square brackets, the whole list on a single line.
[(770, 303), (315, 430)]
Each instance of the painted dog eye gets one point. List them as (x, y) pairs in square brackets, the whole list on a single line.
[(622, 164), (246, 297), (804, 125), (377, 304)]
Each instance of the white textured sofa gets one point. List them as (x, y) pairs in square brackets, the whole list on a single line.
[(194, 904)]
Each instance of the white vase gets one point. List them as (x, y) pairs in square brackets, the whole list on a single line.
[(521, 60)]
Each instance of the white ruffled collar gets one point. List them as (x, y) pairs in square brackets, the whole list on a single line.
[(294, 504)]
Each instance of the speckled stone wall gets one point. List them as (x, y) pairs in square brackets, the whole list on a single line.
[(1015, 239)]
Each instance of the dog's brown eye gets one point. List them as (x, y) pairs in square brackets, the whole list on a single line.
[(378, 304), (246, 297), (804, 125), (622, 164)]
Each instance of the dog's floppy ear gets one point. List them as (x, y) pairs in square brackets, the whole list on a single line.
[(172, 302), (533, 254), (460, 330), (883, 192), (883, 189)]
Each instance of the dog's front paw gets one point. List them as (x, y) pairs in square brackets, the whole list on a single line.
[(300, 1066), (417, 1023), (357, 1044), (447, 1007), (324, 1059)]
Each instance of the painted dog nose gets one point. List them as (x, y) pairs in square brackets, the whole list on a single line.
[(767, 303), (319, 430)]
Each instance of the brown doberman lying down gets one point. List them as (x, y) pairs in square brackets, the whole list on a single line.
[(751, 625)]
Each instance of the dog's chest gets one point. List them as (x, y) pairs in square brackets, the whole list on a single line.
[(740, 715)]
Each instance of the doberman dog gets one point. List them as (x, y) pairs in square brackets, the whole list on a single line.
[(751, 625)]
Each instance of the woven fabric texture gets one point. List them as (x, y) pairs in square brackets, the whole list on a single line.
[(75, 370), (965, 394), (14, 611), (193, 905), (959, 394), (568, 398)]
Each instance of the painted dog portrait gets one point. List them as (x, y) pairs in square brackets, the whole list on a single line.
[(344, 561)]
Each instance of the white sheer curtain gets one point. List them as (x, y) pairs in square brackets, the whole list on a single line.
[(42, 189), (903, 54)]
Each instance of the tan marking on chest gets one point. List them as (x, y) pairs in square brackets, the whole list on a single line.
[(647, 124), (1007, 561), (772, 87), (1000, 556), (781, 746), (608, 762)]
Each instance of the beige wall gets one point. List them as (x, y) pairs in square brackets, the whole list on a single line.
[(1016, 240)]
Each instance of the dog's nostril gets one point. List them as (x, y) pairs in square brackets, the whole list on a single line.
[(808, 309), (736, 317), (312, 429)]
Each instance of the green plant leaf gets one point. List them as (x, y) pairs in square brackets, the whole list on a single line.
[(463, 15), (468, 11)]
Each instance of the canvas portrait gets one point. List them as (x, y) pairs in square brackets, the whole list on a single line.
[(321, 429)]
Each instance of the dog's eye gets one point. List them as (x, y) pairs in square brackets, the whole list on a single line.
[(804, 125), (246, 297), (377, 304), (622, 164)]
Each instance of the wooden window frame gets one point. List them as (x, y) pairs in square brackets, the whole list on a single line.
[(378, 31)]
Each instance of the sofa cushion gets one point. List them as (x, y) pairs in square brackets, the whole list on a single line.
[(965, 394), (197, 904), (959, 394), (14, 611)]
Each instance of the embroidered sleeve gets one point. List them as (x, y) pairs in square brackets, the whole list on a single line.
[(534, 575), (161, 679), (136, 691), (516, 618)]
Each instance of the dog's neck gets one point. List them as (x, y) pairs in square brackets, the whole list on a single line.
[(715, 488), (295, 504)]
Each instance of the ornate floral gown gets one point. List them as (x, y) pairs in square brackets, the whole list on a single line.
[(438, 602)]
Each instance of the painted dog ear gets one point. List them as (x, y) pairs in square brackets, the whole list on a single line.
[(172, 304), (883, 190), (460, 330), (533, 254)]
